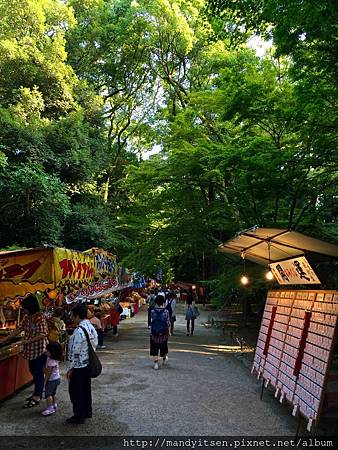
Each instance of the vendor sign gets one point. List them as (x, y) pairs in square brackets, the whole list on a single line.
[(72, 266), (25, 271), (105, 263), (96, 290), (60, 269), (294, 271), (26, 266)]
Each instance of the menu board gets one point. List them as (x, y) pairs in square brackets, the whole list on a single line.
[(294, 346)]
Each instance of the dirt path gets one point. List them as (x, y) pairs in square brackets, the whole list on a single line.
[(204, 390)]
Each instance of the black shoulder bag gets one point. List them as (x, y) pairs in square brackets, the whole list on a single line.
[(95, 366)]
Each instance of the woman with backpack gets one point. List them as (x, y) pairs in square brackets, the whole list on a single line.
[(159, 332)]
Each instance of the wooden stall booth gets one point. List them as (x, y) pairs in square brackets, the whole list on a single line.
[(52, 274), (21, 272)]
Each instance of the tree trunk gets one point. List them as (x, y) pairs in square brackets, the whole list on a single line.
[(106, 190)]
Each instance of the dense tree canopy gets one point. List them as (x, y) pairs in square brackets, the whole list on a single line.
[(150, 128)]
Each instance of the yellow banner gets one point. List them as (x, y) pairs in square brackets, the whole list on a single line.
[(30, 266), (25, 271), (72, 267)]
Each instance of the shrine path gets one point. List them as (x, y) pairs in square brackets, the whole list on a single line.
[(204, 390)]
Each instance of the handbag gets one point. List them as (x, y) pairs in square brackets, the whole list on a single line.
[(195, 312), (95, 366), (189, 315)]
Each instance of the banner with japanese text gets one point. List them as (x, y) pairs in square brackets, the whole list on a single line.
[(294, 271), (33, 270), (72, 267), (105, 263), (95, 290)]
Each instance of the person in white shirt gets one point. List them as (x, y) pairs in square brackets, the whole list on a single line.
[(78, 374)]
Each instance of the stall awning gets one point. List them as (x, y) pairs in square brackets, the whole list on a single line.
[(36, 269), (264, 245)]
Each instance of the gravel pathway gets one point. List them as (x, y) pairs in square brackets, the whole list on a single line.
[(204, 390)]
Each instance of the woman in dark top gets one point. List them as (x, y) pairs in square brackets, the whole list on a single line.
[(190, 298)]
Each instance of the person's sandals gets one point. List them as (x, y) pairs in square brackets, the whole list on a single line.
[(31, 403)]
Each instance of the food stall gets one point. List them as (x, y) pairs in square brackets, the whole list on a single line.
[(296, 352), (104, 293), (21, 272), (131, 302), (53, 274)]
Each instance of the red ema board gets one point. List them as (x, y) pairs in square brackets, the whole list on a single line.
[(295, 345)]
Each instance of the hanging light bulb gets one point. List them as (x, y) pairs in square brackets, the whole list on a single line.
[(269, 275), (244, 280)]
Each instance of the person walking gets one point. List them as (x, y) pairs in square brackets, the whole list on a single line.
[(190, 316), (171, 306), (78, 373), (35, 329), (160, 331), (151, 305)]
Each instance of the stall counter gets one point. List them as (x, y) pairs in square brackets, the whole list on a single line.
[(14, 371)]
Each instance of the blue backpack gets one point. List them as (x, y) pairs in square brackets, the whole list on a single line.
[(159, 324)]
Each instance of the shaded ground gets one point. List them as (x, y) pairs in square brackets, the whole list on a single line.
[(205, 390)]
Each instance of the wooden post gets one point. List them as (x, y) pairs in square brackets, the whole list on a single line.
[(298, 425), (262, 391)]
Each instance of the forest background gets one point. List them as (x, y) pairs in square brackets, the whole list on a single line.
[(150, 128)]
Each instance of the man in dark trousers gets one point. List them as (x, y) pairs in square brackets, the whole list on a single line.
[(78, 374)]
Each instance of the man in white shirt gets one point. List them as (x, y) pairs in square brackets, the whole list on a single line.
[(78, 366)]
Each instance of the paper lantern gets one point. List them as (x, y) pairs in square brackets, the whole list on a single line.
[(52, 295)]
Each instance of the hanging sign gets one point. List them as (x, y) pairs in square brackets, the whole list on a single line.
[(294, 271), (97, 289)]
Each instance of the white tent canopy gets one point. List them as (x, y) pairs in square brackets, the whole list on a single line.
[(267, 245)]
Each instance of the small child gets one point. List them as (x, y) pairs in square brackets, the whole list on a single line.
[(52, 376)]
